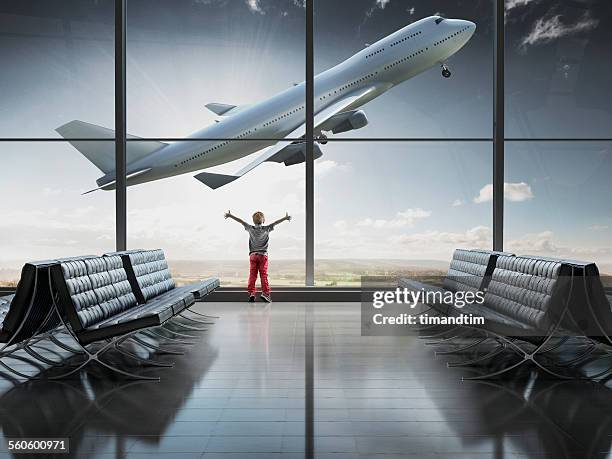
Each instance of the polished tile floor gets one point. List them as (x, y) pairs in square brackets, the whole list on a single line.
[(239, 392)]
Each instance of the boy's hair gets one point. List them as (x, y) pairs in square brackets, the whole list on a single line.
[(258, 217)]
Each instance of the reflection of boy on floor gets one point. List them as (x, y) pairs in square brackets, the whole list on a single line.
[(258, 251)]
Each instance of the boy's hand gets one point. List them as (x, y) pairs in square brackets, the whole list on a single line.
[(287, 216), (227, 214)]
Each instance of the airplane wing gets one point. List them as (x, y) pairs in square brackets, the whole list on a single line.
[(279, 152)]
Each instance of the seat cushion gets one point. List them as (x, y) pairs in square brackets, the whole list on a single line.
[(93, 290), (204, 287), (528, 290), (178, 298), (468, 270), (145, 316), (151, 274), (154, 308)]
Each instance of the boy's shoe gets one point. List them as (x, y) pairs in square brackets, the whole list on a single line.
[(251, 298), (266, 298)]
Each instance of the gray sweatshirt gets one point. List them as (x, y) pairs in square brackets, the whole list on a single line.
[(258, 237)]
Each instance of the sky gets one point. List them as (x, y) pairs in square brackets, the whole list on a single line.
[(373, 199)]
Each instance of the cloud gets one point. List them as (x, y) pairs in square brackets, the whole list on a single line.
[(533, 243), (255, 6), (479, 236), (550, 28), (403, 219), (378, 5), (543, 243), (598, 227), (457, 203), (512, 4), (515, 192)]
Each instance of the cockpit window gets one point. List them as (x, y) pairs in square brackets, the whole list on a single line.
[(439, 20)]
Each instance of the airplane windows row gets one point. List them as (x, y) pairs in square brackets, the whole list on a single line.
[(350, 85), (390, 66), (375, 52), (450, 36), (405, 38), (285, 115), (203, 153)]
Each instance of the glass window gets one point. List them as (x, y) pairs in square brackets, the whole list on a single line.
[(190, 63), (558, 200), (557, 69), (185, 218), (418, 103), (387, 208), (58, 66), (44, 211)]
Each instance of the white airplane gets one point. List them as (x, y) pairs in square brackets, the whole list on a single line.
[(339, 92)]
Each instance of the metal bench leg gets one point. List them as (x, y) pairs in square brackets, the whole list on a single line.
[(182, 335), (195, 320), (154, 347), (203, 315), (152, 334), (446, 340), (152, 363), (64, 346), (95, 357), (442, 333), (187, 327), (501, 348), (561, 342), (464, 348), (40, 357)]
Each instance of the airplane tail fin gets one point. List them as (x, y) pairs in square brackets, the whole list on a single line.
[(100, 152)]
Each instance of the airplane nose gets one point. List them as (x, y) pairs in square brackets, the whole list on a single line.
[(471, 26)]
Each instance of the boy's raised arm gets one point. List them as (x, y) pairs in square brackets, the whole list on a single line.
[(228, 214), (287, 217)]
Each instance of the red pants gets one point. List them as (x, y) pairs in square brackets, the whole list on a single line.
[(258, 264)]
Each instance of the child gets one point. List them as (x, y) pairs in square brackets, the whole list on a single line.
[(258, 251)]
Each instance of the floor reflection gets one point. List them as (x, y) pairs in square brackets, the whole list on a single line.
[(101, 413), (239, 393)]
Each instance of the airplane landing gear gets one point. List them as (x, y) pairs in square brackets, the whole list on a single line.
[(322, 139), (446, 73)]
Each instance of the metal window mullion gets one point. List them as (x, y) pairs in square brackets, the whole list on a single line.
[(309, 143), (498, 128), (120, 126)]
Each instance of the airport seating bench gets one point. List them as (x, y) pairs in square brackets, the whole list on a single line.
[(100, 301), (529, 296), (96, 297), (533, 299)]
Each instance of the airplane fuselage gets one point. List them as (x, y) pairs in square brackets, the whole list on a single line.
[(380, 66)]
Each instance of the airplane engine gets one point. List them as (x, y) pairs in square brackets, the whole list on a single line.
[(356, 120)]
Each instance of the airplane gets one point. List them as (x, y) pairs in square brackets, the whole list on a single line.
[(339, 94)]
